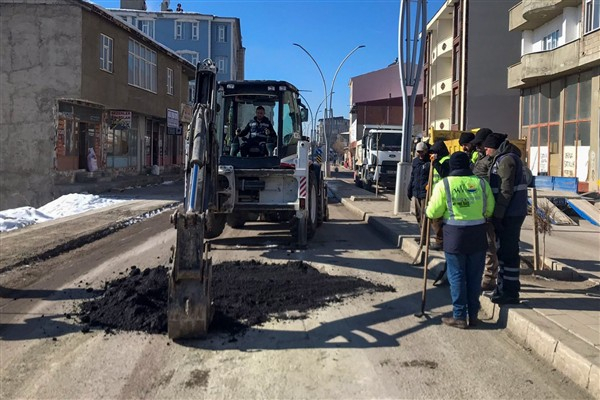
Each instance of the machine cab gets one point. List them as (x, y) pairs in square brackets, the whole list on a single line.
[(259, 147)]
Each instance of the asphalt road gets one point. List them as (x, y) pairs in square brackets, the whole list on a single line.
[(367, 347)]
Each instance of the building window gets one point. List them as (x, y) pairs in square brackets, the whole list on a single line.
[(142, 66), (455, 107), (221, 65), (169, 81), (456, 63), (191, 56), (106, 53), (178, 30), (221, 34), (577, 125), (192, 92), (457, 20), (146, 26), (195, 30), (550, 41), (592, 15)]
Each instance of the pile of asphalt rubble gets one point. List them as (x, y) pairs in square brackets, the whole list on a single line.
[(244, 294)]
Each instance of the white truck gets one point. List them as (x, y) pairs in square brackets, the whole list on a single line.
[(377, 156)]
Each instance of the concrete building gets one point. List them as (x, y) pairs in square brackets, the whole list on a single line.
[(193, 36), (468, 49), (335, 127), (75, 78), (558, 76), (376, 99)]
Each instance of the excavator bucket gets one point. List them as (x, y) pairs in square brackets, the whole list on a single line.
[(189, 310)]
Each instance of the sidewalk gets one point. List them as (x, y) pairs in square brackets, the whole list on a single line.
[(559, 321)]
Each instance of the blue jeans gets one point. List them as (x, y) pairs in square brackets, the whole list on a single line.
[(464, 274)]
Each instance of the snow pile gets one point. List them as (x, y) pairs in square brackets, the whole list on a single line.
[(64, 206)]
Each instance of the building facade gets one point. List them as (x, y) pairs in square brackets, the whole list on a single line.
[(468, 50), (376, 99), (193, 36), (95, 86), (558, 75)]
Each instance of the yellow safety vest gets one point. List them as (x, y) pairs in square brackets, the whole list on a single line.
[(462, 201), (436, 175)]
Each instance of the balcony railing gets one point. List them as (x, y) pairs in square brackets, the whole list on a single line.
[(544, 64), (531, 14)]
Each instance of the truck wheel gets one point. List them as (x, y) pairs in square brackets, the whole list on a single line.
[(236, 220), (214, 225), (322, 206), (357, 181)]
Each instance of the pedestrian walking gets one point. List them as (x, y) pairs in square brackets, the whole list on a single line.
[(509, 185), (419, 177), (464, 201), (481, 168), (441, 168)]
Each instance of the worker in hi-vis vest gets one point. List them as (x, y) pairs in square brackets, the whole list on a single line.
[(440, 155), (464, 201)]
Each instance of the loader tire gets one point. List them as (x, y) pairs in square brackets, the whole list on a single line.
[(214, 225), (236, 220)]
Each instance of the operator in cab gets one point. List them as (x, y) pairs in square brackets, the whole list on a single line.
[(258, 137)]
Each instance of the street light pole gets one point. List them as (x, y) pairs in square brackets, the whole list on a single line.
[(325, 117), (325, 94), (333, 82)]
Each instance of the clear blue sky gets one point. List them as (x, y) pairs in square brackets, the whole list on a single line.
[(328, 29)]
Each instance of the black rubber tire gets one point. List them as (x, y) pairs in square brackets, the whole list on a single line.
[(214, 225), (322, 205), (236, 220)]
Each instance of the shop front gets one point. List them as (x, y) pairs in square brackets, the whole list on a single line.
[(121, 145), (163, 143), (78, 130)]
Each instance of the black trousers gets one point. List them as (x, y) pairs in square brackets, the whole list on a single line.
[(508, 255)]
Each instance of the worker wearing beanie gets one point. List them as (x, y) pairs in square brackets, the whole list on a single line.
[(509, 186), (419, 178), (465, 143), (481, 168), (441, 168), (464, 201)]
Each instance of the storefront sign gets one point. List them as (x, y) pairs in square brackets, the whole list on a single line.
[(186, 113), (576, 157), (538, 160), (120, 120), (172, 121)]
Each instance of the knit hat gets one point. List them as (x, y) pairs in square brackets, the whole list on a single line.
[(481, 135), (494, 140), (421, 146), (459, 160), (466, 137)]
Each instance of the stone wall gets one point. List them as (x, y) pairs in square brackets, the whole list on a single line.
[(41, 62)]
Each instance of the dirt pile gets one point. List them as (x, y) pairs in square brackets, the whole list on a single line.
[(244, 294)]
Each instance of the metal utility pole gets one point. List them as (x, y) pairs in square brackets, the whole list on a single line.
[(411, 49), (327, 116)]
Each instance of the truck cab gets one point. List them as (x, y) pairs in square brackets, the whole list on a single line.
[(379, 153)]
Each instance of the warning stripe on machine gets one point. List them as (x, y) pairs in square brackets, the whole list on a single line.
[(302, 187)]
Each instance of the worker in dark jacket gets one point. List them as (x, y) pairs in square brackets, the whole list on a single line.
[(419, 178), (508, 182), (464, 201), (441, 169), (465, 143), (259, 134), (481, 168)]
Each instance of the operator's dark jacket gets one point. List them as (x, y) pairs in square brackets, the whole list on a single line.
[(258, 128), (418, 178), (439, 148), (481, 168), (506, 173)]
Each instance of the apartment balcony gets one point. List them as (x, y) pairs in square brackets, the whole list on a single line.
[(443, 49), (531, 14), (441, 88), (544, 65)]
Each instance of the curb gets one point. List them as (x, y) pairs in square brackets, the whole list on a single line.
[(573, 357)]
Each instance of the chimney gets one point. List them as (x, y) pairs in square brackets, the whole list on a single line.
[(133, 4), (164, 5)]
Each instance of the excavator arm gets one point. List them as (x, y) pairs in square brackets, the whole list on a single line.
[(189, 310)]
